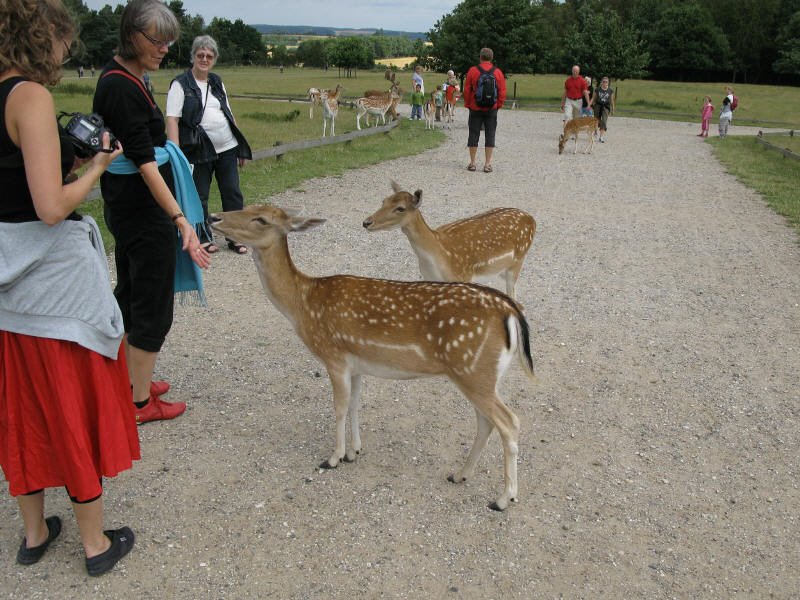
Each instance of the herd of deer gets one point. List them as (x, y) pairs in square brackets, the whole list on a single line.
[(373, 102), (443, 326)]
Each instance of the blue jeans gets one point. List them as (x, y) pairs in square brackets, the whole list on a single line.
[(226, 169), (416, 111)]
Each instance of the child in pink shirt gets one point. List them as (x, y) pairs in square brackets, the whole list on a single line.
[(708, 110)]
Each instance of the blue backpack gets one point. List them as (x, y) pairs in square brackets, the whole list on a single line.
[(486, 89)]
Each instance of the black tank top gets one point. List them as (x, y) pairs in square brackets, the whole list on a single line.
[(16, 205)]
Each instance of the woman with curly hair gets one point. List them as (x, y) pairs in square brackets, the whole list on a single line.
[(65, 402)]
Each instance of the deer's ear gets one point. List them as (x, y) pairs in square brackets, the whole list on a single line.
[(395, 186), (417, 197), (301, 224)]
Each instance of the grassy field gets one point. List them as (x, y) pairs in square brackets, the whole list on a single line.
[(268, 122)]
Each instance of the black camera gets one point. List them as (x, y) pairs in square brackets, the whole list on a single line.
[(86, 134)]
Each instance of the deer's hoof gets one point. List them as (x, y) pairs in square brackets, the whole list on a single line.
[(452, 479), (496, 506), (327, 465)]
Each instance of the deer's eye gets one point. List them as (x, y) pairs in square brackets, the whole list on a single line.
[(400, 209), (260, 220)]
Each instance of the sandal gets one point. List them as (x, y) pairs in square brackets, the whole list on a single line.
[(471, 167), (210, 247), (238, 248), (487, 169)]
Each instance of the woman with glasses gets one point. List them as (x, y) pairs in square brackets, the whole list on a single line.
[(197, 100), (141, 209), (65, 403)]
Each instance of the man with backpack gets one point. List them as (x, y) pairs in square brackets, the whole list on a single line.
[(484, 94)]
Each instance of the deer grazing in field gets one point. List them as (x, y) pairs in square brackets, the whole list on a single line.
[(574, 127), (376, 104), (330, 108), (490, 243), (396, 330)]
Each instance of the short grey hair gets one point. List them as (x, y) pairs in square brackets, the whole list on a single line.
[(486, 54), (204, 42), (142, 14)]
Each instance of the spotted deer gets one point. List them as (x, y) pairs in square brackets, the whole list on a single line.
[(487, 244), (395, 330), (376, 104), (574, 127), (330, 108)]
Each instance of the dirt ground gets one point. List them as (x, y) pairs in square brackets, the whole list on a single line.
[(658, 453)]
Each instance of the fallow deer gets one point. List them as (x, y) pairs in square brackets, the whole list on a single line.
[(395, 330), (490, 243), (330, 108), (376, 104), (314, 95), (574, 127), (429, 108)]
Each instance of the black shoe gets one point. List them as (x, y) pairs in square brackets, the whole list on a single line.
[(29, 556), (121, 544)]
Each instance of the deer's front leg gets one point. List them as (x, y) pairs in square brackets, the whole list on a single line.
[(340, 381), (355, 404)]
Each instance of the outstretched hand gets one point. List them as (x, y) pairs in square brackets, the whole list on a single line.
[(191, 244)]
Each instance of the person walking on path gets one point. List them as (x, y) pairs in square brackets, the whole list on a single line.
[(482, 116), (725, 118), (66, 417), (576, 90), (198, 101), (603, 102)]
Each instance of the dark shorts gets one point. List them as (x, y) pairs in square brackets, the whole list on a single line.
[(482, 118), (145, 255)]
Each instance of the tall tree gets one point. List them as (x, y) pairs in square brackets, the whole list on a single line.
[(513, 29), (685, 42), (789, 47), (350, 53), (603, 46), (180, 53)]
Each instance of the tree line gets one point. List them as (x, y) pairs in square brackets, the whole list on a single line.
[(754, 41)]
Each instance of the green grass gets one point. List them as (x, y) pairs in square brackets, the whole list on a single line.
[(769, 173), (268, 122)]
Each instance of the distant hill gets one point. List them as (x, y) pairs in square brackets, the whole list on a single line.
[(334, 31)]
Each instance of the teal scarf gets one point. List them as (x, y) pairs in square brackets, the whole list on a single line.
[(188, 278)]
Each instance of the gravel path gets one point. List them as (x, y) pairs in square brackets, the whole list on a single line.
[(658, 454)]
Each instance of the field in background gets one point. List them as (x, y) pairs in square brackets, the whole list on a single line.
[(765, 105)]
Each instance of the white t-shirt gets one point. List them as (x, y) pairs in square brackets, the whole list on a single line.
[(213, 122)]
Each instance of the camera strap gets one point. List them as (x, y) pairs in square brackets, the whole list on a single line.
[(135, 80)]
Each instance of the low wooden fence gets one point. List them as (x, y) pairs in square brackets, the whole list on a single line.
[(761, 139), (279, 150)]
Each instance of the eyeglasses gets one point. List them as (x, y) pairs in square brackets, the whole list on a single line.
[(155, 42), (69, 54), (204, 56)]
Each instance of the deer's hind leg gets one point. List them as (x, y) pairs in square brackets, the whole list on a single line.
[(355, 405), (492, 413)]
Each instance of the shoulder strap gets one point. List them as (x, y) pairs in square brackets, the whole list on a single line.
[(134, 80)]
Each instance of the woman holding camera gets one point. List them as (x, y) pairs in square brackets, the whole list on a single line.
[(198, 102), (65, 404), (141, 209)]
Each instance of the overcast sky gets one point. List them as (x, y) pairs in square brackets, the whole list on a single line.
[(400, 15)]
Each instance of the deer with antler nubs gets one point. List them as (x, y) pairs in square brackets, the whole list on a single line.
[(491, 243), (392, 329)]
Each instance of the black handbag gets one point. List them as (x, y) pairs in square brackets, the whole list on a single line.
[(190, 138)]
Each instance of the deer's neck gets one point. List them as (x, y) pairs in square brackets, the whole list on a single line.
[(428, 247), (284, 284), (420, 235)]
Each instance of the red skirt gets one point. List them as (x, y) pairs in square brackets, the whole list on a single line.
[(66, 416)]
